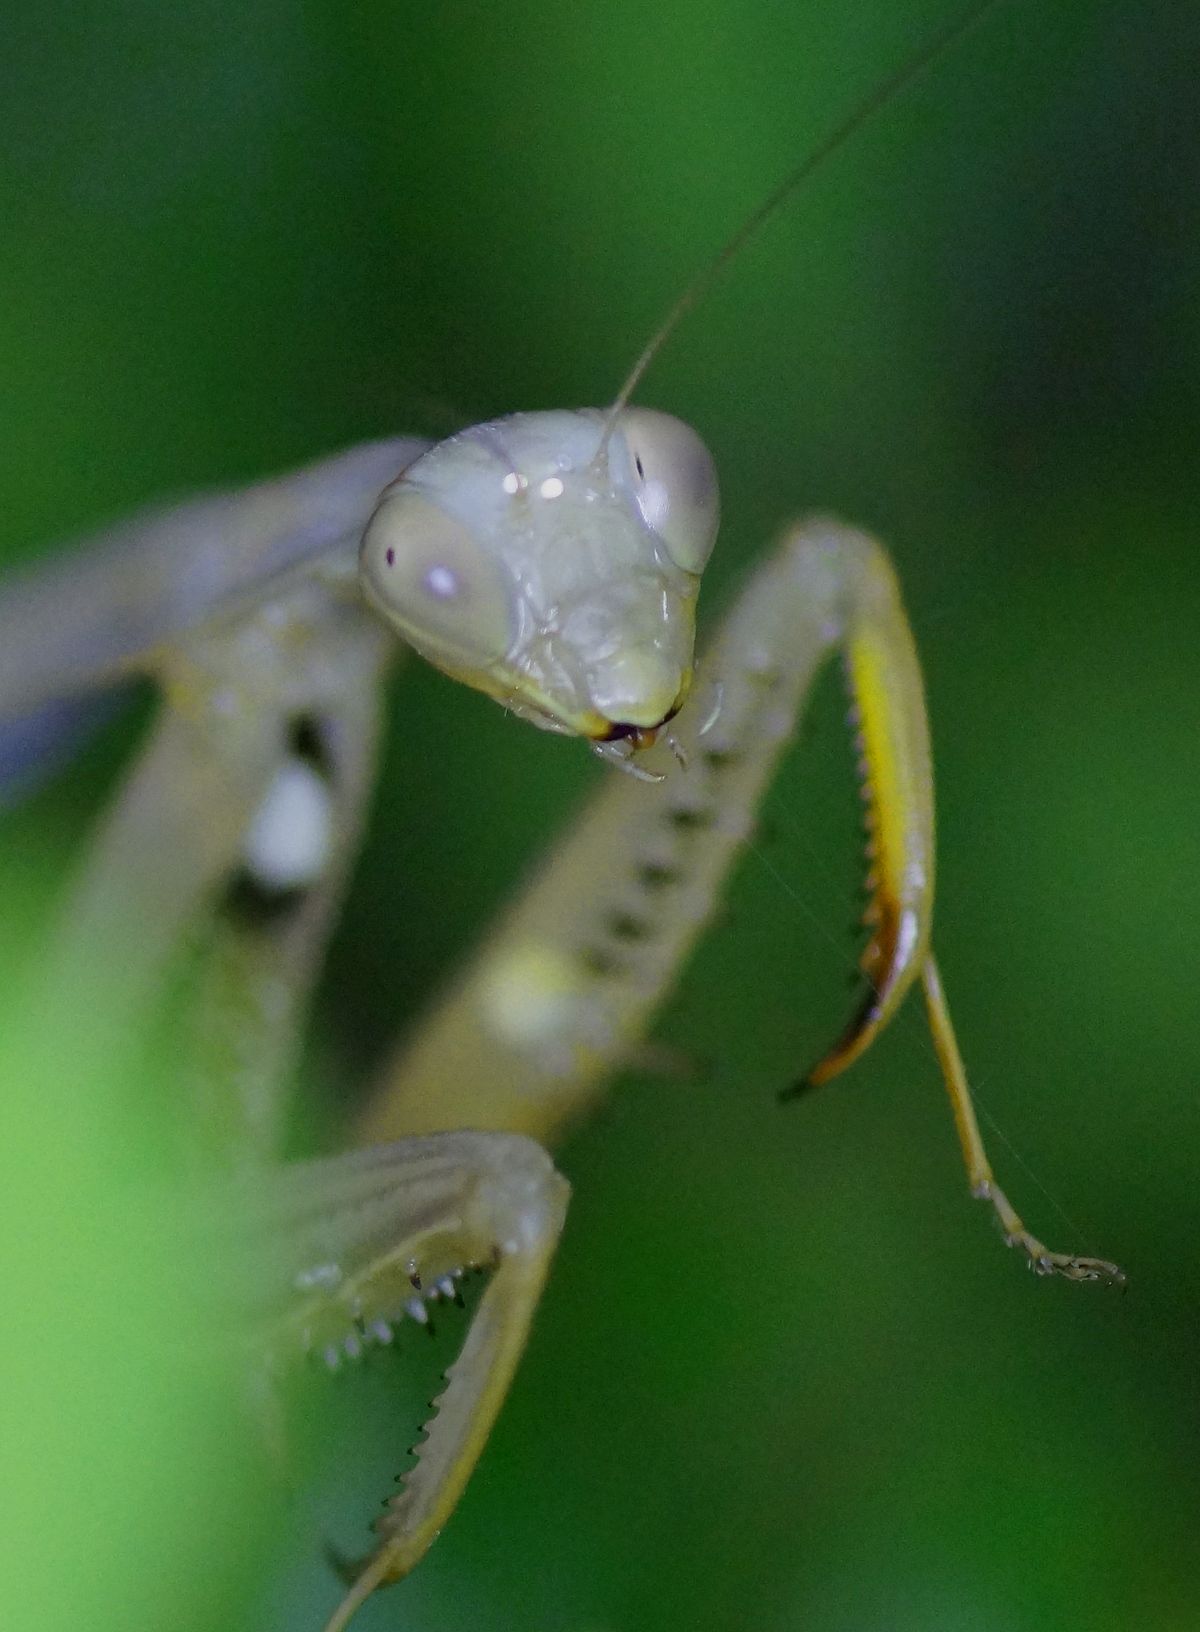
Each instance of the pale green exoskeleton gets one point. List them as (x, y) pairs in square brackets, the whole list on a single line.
[(553, 561)]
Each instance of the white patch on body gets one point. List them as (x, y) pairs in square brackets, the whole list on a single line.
[(290, 836), (539, 1001), (532, 1001)]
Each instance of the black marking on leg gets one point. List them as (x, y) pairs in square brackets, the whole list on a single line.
[(657, 875), (307, 740), (692, 818), (625, 926), (601, 962), (255, 905)]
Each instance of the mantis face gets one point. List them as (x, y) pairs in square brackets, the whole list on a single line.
[(552, 566)]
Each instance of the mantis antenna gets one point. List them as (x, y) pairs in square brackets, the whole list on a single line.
[(883, 94)]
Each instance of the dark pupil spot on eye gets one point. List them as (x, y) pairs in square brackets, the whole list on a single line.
[(639, 467), (391, 556)]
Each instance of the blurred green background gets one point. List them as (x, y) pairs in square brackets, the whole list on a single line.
[(784, 1375)]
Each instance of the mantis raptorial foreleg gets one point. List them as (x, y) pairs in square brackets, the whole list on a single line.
[(289, 691), (265, 943), (568, 980), (243, 607), (359, 1242)]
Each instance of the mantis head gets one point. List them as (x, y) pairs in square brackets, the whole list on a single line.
[(553, 561)]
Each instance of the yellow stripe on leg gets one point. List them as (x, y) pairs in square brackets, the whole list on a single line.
[(893, 739)]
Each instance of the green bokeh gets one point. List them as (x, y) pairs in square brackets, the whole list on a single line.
[(783, 1377)]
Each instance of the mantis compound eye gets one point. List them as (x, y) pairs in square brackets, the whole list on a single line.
[(429, 576), (675, 483)]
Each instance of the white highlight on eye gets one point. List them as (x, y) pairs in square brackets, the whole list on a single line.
[(551, 488), (656, 503), (512, 483), (442, 582)]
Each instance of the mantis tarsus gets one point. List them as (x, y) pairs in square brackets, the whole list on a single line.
[(247, 612)]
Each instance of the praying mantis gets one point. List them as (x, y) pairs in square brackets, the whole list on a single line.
[(247, 611)]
